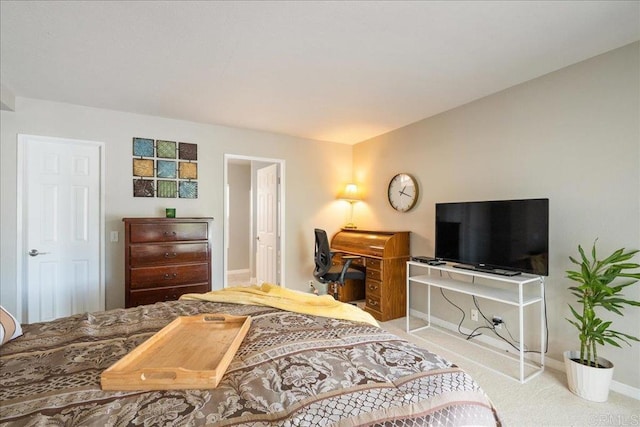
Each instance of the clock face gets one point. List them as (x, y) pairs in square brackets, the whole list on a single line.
[(403, 192)]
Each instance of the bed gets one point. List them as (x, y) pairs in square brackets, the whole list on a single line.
[(292, 369)]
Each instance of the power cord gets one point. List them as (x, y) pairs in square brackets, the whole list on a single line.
[(546, 320), (509, 332), (469, 336), (492, 325), (493, 328)]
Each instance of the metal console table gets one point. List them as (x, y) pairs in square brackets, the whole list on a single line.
[(520, 292)]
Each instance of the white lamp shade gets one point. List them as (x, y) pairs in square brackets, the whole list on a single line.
[(350, 193)]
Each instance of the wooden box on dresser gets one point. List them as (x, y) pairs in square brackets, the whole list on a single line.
[(384, 255), (165, 258)]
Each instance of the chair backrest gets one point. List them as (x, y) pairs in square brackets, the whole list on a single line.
[(322, 254)]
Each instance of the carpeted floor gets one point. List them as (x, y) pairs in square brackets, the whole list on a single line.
[(239, 278), (542, 401)]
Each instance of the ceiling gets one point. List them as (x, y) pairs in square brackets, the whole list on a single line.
[(332, 71)]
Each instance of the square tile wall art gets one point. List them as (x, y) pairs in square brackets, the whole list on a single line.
[(143, 147), (142, 167), (188, 190), (166, 189), (188, 151), (188, 170), (143, 188), (167, 149), (166, 169)]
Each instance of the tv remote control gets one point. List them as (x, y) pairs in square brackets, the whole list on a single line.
[(423, 259)]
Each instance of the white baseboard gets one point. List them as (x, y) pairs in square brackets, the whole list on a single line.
[(242, 271), (616, 386), (625, 389)]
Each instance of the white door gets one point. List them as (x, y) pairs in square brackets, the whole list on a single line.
[(267, 225), (62, 195)]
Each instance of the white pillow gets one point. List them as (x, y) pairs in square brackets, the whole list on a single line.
[(9, 326)]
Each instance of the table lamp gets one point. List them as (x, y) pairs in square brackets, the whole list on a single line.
[(351, 195)]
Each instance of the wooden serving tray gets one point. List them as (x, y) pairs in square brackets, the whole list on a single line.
[(192, 352)]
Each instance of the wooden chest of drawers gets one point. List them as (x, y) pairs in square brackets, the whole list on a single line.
[(165, 258), (384, 257)]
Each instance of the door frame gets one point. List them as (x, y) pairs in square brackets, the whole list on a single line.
[(21, 218), (281, 214)]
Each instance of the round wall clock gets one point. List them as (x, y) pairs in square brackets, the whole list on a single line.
[(403, 192)]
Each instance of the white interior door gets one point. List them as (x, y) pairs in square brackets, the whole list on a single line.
[(267, 225), (62, 196)]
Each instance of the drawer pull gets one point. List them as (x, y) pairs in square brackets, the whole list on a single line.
[(168, 276), (170, 255), (170, 233), (372, 303)]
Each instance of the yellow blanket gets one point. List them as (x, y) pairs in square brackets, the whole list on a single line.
[(286, 299)]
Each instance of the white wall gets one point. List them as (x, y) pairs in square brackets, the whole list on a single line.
[(572, 136), (316, 182)]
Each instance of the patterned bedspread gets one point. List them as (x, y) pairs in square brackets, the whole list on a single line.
[(291, 370)]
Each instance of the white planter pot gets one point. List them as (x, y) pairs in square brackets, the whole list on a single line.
[(586, 381)]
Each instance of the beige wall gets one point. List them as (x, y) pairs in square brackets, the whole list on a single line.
[(316, 182), (572, 136), (239, 181)]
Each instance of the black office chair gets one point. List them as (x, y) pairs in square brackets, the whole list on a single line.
[(326, 272)]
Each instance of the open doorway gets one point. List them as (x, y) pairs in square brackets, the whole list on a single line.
[(253, 231)]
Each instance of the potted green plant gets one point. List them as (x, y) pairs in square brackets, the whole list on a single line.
[(601, 283)]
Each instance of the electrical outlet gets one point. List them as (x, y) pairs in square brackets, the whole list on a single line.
[(312, 287), (474, 315), (497, 322)]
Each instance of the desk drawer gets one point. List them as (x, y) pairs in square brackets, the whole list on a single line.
[(179, 253), (373, 302), (374, 264), (157, 277), (373, 288), (374, 274), (142, 233), (377, 314)]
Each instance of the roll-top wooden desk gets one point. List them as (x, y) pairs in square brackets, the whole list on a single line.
[(384, 256), (165, 258)]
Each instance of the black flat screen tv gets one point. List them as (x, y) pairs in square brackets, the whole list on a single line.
[(509, 235)]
